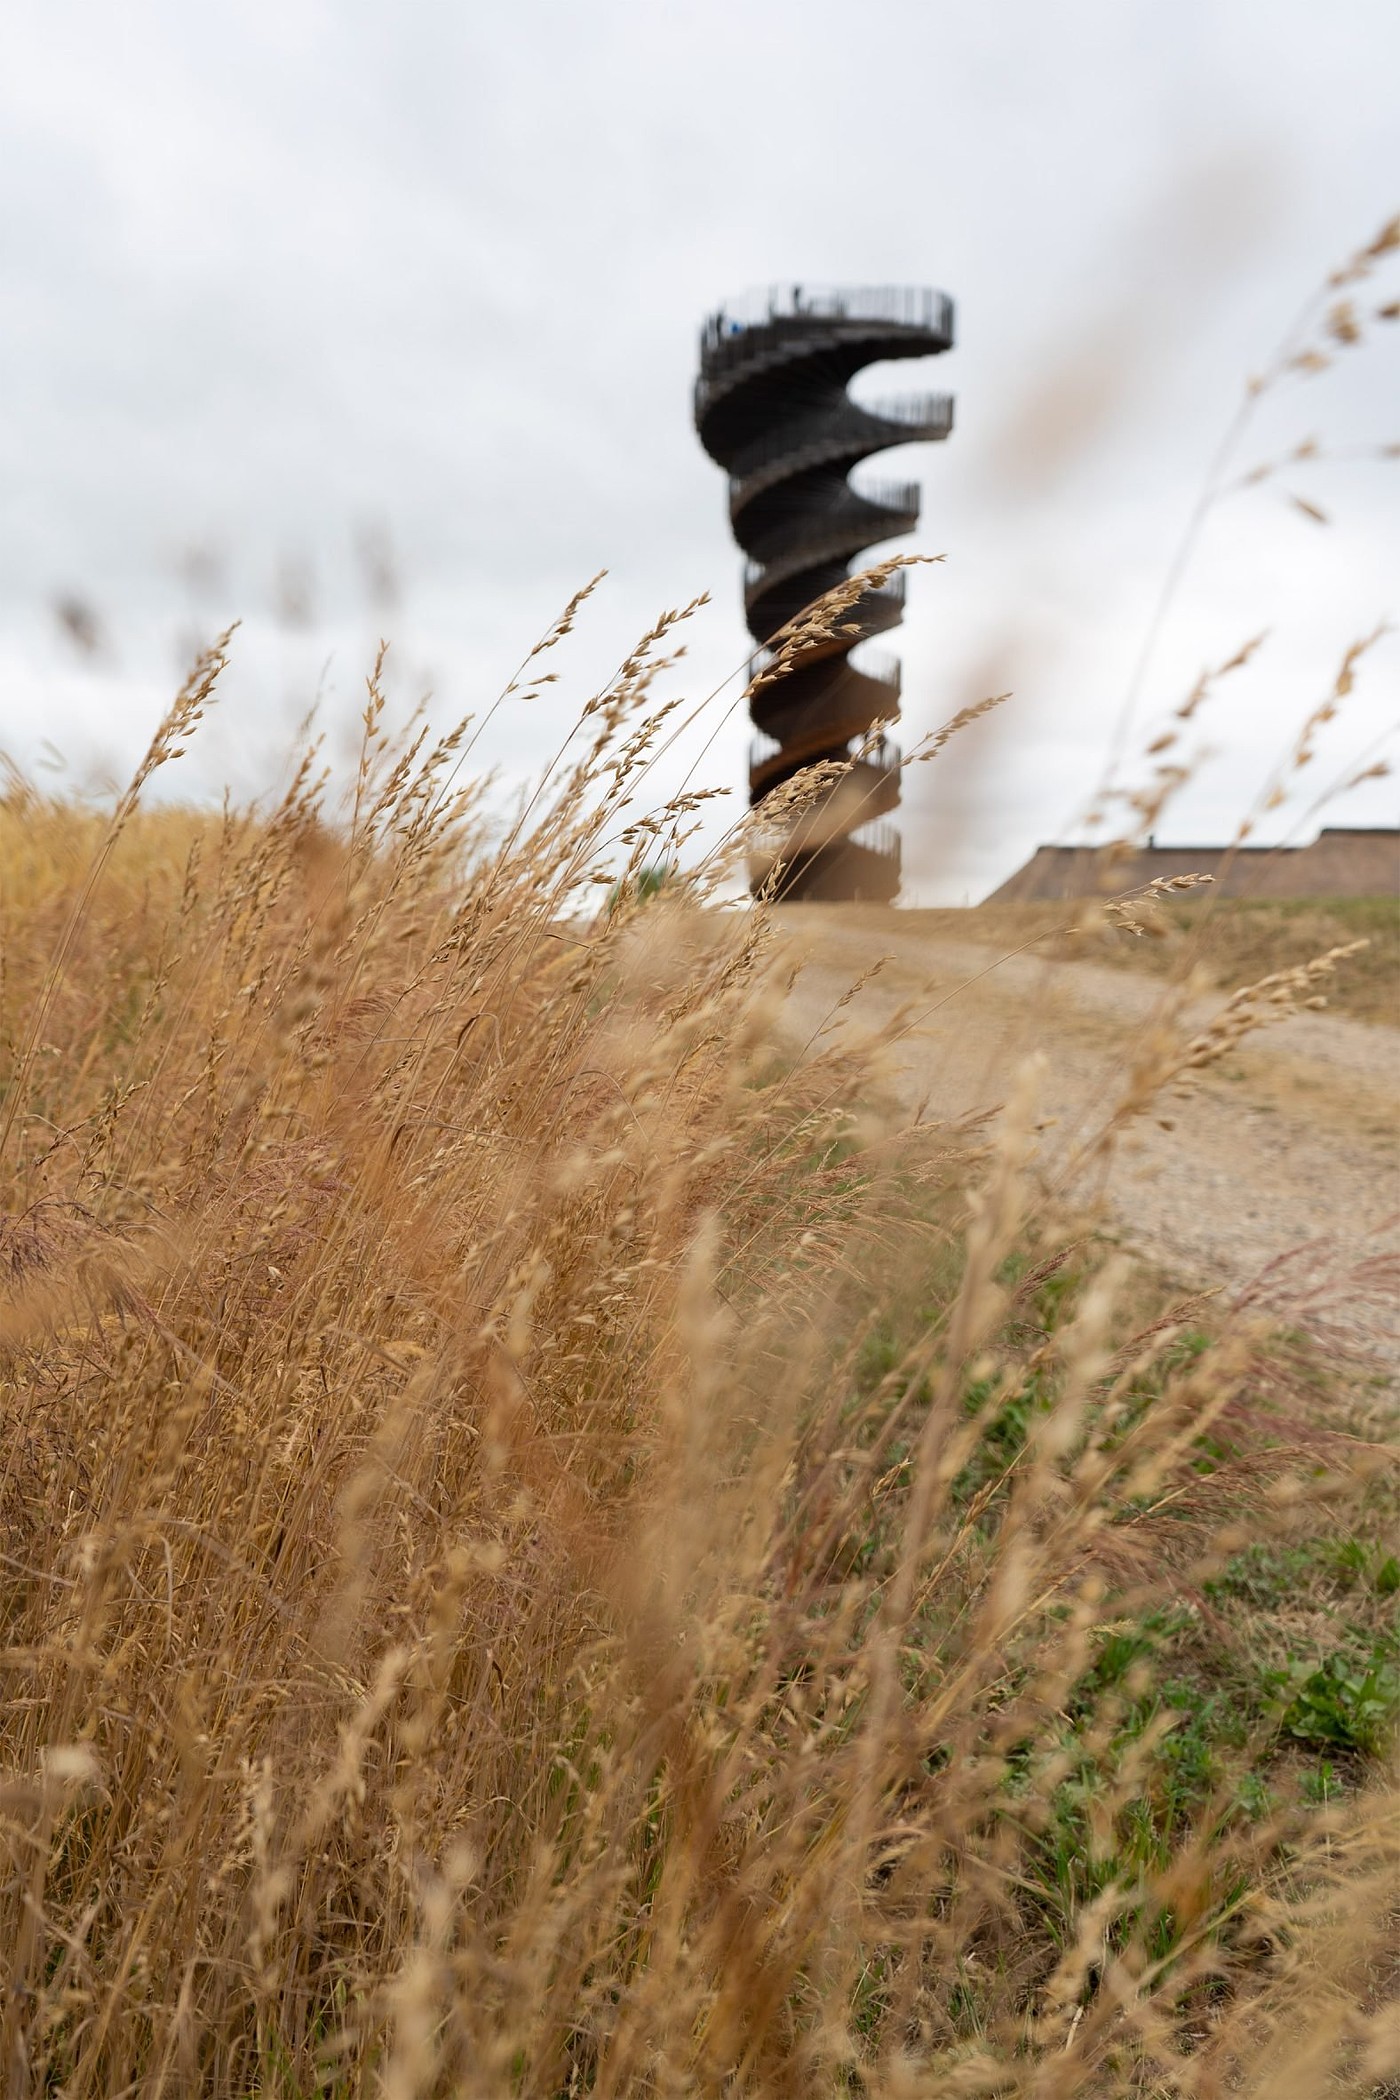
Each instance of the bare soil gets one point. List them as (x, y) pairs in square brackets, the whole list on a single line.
[(1231, 940), (1279, 1173)]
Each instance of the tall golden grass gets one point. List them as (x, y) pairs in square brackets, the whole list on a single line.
[(515, 1578)]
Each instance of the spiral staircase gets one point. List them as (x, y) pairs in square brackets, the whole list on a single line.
[(772, 408)]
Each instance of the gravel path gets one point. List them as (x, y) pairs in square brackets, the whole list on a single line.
[(1292, 1143)]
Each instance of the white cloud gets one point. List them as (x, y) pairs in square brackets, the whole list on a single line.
[(276, 270)]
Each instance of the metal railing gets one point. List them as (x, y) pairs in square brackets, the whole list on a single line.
[(882, 753), (879, 837), (728, 340), (891, 592), (929, 411), (901, 305), (832, 530), (885, 670), (879, 668), (901, 496), (847, 424)]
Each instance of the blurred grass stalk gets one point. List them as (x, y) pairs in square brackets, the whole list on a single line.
[(549, 1546), (549, 1549)]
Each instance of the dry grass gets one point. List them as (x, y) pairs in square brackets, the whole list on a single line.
[(545, 1553), (1233, 941)]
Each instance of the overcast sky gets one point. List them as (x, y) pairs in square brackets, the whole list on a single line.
[(290, 283)]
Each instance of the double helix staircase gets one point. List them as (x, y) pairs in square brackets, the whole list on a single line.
[(773, 408)]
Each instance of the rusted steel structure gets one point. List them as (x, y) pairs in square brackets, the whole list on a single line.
[(772, 408)]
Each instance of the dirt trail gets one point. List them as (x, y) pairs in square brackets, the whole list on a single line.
[(1292, 1142)]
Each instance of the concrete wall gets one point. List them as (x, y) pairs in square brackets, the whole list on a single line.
[(1338, 863)]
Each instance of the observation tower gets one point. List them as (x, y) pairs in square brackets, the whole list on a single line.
[(772, 408)]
